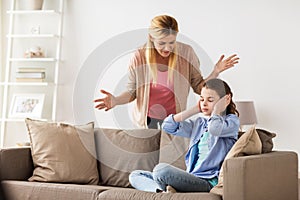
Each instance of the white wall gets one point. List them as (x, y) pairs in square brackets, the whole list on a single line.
[(265, 35)]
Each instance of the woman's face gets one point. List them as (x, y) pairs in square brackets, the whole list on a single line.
[(164, 46), (208, 99)]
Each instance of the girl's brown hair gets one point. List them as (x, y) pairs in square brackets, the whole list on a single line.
[(222, 89), (161, 26)]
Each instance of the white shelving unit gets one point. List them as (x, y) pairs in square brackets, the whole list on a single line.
[(14, 59)]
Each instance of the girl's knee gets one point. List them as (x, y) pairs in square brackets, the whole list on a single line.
[(161, 166), (161, 170)]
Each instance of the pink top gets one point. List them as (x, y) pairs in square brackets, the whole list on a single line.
[(186, 74), (161, 98)]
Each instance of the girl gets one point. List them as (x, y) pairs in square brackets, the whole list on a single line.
[(211, 137)]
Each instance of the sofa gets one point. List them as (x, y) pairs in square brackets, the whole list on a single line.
[(265, 175)]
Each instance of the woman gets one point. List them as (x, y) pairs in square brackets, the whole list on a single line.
[(161, 73), (211, 138)]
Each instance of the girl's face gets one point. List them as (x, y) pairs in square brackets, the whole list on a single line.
[(208, 99), (165, 46)]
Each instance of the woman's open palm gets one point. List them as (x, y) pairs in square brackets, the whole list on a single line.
[(107, 102), (227, 63)]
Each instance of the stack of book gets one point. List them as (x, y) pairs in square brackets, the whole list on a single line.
[(30, 74)]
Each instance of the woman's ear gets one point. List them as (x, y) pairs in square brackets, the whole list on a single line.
[(151, 38)]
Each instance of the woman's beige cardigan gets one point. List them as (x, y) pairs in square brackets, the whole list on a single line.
[(186, 74)]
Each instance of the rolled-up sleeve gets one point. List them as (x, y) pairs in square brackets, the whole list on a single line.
[(169, 125), (183, 129), (196, 78), (131, 83), (227, 126)]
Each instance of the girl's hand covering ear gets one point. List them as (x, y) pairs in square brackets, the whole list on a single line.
[(221, 105)]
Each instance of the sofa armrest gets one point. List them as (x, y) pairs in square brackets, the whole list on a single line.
[(267, 176), (15, 163)]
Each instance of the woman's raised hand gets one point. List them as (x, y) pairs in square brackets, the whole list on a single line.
[(229, 62), (108, 102)]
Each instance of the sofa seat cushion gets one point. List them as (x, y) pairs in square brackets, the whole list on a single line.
[(24, 190), (132, 194)]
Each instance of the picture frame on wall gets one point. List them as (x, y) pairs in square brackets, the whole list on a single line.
[(27, 105)]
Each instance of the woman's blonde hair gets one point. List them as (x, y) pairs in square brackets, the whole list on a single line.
[(161, 26)]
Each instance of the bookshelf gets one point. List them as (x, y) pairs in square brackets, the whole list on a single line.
[(28, 28)]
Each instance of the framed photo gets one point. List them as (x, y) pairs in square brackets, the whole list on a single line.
[(27, 105)]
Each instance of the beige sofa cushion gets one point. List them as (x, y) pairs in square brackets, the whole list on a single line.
[(248, 144), (63, 152), (24, 190), (133, 194), (173, 150), (122, 151)]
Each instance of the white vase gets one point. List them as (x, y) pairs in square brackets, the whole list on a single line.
[(33, 4)]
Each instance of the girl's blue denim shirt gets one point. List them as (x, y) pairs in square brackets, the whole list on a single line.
[(223, 134)]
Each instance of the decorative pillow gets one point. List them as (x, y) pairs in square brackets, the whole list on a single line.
[(248, 144), (265, 138), (173, 150), (122, 151), (62, 152)]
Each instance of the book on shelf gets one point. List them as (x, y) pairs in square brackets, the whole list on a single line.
[(30, 75), (31, 69), (30, 79)]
